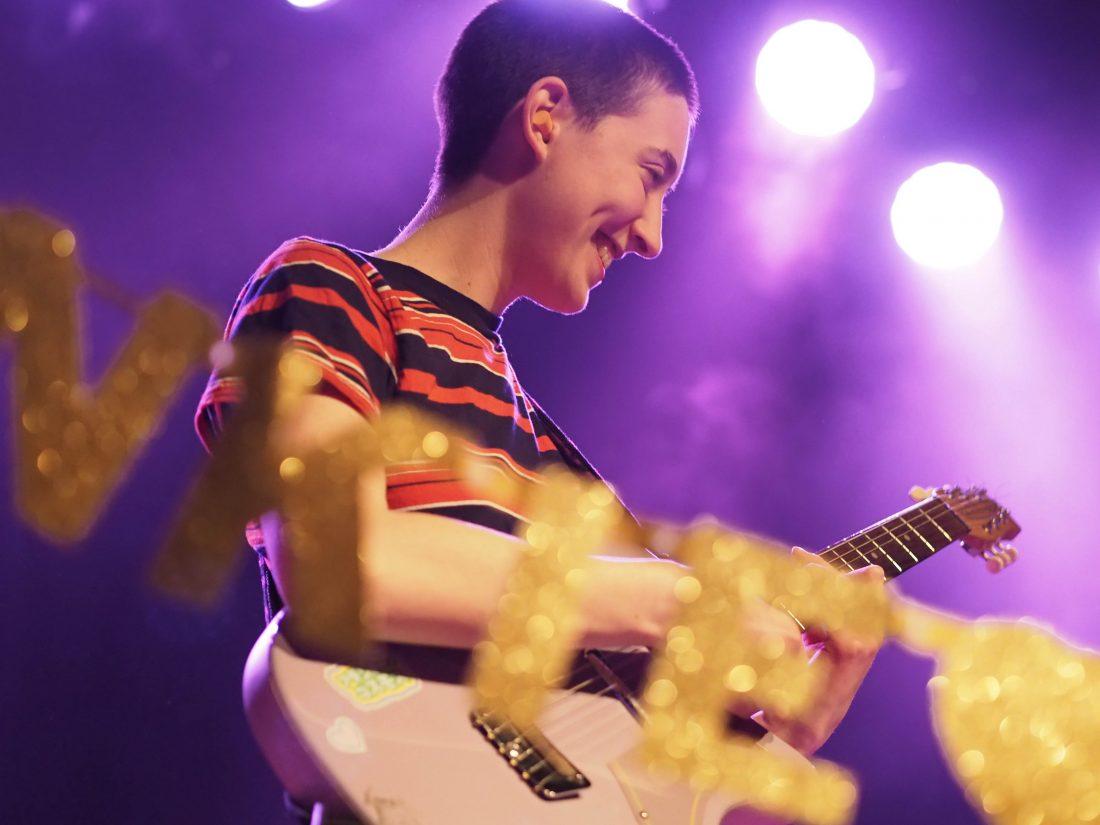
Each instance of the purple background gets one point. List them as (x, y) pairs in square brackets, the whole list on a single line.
[(782, 365)]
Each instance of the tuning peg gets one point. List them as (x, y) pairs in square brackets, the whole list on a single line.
[(1000, 556), (920, 493)]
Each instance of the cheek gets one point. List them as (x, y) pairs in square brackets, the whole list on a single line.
[(625, 191), (565, 210), (595, 181)]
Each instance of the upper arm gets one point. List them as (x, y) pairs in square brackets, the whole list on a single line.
[(314, 421)]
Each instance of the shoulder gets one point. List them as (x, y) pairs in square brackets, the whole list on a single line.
[(313, 271), (304, 253)]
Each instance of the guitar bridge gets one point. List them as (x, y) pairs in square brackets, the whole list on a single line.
[(543, 768)]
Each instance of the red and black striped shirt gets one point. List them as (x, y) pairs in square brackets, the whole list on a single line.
[(381, 331)]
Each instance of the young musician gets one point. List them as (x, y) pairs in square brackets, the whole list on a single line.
[(564, 123)]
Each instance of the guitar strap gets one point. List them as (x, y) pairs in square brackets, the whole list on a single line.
[(572, 456), (272, 602)]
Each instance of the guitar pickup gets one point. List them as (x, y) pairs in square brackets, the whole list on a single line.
[(542, 767)]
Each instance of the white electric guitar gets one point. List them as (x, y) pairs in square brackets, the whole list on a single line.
[(400, 746)]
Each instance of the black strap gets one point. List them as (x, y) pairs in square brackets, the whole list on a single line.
[(272, 601), (573, 456)]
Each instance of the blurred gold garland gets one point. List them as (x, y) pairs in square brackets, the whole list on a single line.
[(1016, 709)]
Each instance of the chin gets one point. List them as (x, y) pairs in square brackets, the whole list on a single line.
[(560, 306), (563, 301)]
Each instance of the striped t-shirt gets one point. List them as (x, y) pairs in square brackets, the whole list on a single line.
[(381, 331)]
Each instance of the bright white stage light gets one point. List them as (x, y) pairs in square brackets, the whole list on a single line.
[(308, 4), (947, 216), (815, 78), (622, 4)]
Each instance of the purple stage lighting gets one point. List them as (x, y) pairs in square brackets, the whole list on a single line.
[(308, 4), (947, 215), (815, 78)]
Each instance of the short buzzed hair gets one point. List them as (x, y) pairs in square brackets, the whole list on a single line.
[(609, 59)]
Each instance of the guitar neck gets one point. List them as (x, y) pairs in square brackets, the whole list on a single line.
[(899, 542)]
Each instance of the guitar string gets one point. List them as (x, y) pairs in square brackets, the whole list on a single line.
[(639, 659), (591, 733), (854, 546), (854, 549), (571, 691), (572, 719), (578, 719), (866, 540), (567, 694), (925, 513), (596, 677)]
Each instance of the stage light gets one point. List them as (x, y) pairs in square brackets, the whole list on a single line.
[(815, 78), (308, 4), (621, 4), (947, 215)]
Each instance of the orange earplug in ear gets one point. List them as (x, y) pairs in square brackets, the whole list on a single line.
[(543, 123)]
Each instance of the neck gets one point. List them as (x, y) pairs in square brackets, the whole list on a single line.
[(900, 542), (458, 239)]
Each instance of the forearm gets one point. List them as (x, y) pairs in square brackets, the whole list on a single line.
[(436, 581)]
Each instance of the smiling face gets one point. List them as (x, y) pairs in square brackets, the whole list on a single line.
[(597, 195)]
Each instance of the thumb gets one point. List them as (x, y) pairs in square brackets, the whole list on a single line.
[(873, 572), (802, 554)]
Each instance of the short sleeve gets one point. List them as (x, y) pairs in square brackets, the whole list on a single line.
[(314, 295)]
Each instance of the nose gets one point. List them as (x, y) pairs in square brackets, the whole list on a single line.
[(645, 233)]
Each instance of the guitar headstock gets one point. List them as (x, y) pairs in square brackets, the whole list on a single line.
[(989, 525)]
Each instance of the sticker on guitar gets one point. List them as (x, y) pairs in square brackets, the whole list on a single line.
[(370, 689)]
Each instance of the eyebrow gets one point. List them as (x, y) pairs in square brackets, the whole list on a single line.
[(671, 166)]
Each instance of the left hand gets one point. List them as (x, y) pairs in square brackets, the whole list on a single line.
[(846, 657)]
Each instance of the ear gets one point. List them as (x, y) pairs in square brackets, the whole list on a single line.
[(543, 111)]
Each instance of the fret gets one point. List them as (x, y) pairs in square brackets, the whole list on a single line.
[(841, 556), (881, 551), (900, 542), (855, 546), (947, 536), (917, 533)]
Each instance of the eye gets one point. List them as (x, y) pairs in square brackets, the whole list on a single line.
[(655, 174)]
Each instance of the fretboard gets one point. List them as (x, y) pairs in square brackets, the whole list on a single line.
[(899, 542)]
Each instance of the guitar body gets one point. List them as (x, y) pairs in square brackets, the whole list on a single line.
[(400, 748)]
